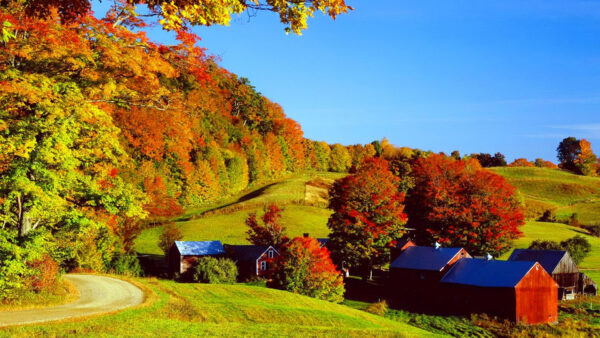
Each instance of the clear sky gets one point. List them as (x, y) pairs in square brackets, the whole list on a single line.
[(514, 76)]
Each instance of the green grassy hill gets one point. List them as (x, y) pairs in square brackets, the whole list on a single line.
[(564, 194), (180, 309), (225, 221), (556, 190)]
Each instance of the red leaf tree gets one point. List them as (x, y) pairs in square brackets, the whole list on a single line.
[(305, 267), (457, 204), (368, 214), (271, 231)]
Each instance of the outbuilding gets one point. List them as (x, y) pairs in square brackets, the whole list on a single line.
[(520, 291), (184, 254), (253, 260), (415, 275), (557, 263)]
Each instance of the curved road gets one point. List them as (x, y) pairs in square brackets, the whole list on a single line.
[(97, 294)]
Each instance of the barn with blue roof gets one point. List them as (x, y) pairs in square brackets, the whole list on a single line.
[(521, 291), (416, 272), (184, 254)]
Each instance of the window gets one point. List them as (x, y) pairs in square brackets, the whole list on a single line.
[(270, 253), (263, 266)]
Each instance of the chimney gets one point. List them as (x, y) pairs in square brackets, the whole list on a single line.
[(305, 235)]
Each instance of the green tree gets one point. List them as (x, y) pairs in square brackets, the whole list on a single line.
[(340, 160), (215, 271)]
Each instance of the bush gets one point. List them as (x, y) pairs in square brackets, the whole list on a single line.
[(578, 247), (547, 216), (45, 274), (126, 264), (593, 229), (379, 308), (215, 271)]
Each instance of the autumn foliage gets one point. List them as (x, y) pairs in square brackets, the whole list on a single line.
[(521, 162), (271, 231), (305, 267), (457, 205), (368, 215)]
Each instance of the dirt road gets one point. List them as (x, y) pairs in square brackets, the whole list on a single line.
[(97, 294)]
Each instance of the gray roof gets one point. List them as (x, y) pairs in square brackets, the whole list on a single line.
[(549, 259), (484, 273), (248, 252), (424, 258), (206, 248)]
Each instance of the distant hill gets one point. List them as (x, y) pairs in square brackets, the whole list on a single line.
[(556, 190), (563, 193)]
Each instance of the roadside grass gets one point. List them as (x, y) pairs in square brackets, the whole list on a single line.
[(64, 292), (178, 309), (558, 190)]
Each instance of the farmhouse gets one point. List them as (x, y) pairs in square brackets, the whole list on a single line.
[(183, 255), (253, 260), (557, 263), (521, 291), (401, 245), (415, 275)]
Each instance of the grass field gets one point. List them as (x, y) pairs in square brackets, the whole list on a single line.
[(229, 227), (557, 190), (178, 309)]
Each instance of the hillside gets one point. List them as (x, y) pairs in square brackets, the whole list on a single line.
[(563, 193), (178, 309), (304, 212), (556, 190)]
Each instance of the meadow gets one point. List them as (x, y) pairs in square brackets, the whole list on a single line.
[(180, 309), (557, 190)]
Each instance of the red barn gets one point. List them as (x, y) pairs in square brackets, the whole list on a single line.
[(557, 263), (519, 291), (415, 275), (253, 260)]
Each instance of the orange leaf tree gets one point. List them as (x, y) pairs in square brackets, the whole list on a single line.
[(458, 204), (305, 267), (368, 215)]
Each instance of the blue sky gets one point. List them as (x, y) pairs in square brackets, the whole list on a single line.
[(514, 76)]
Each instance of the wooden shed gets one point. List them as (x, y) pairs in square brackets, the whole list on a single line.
[(557, 263), (520, 291), (184, 254), (415, 275), (253, 260)]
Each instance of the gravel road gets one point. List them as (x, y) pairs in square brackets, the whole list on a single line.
[(97, 294)]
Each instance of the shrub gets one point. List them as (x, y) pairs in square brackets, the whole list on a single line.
[(215, 271), (126, 264), (578, 247), (45, 274), (379, 308), (574, 220), (169, 235), (547, 216), (593, 229)]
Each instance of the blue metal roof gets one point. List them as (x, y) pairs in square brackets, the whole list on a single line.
[(424, 258), (549, 259), (323, 241), (248, 252), (480, 272), (207, 248)]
